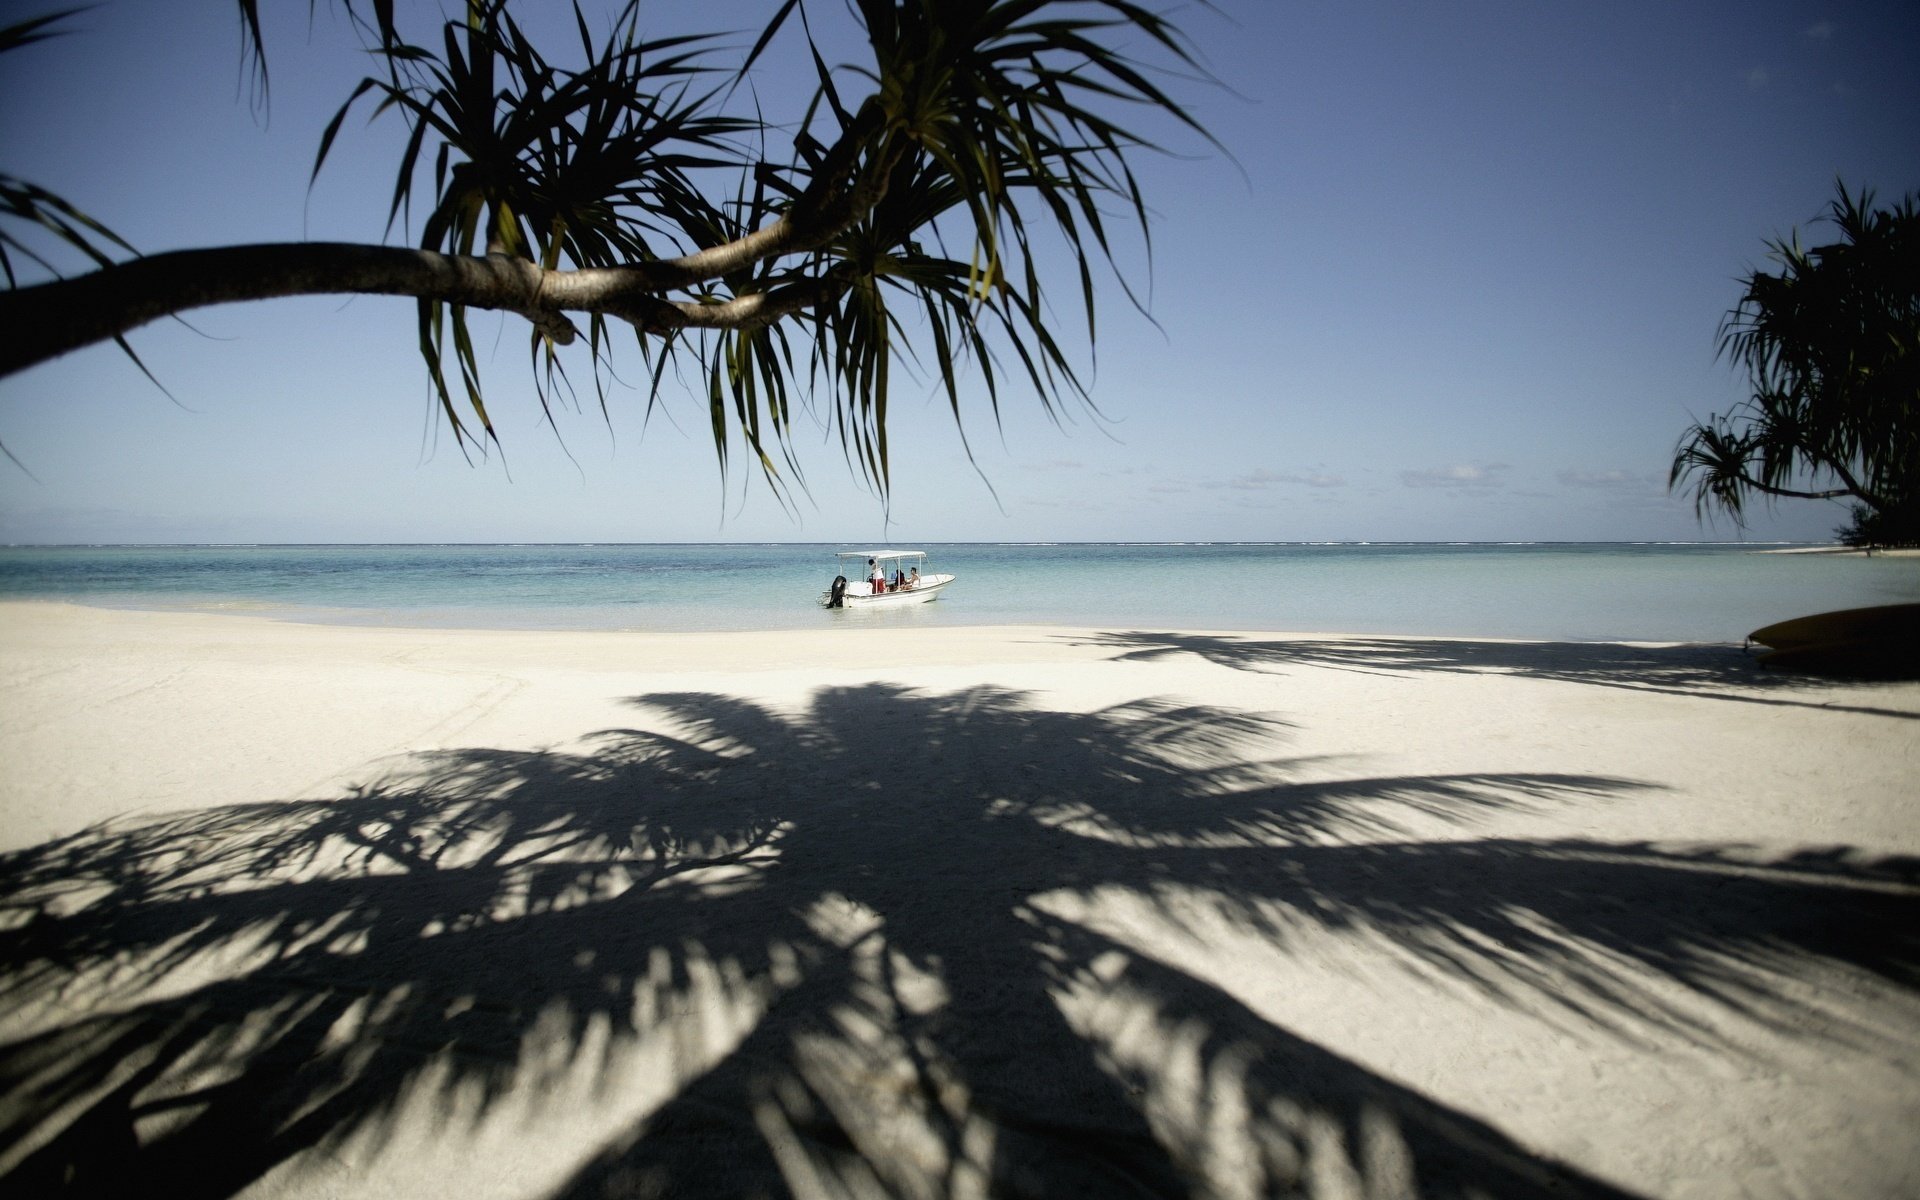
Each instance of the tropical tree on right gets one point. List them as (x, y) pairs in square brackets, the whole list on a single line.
[(1830, 344)]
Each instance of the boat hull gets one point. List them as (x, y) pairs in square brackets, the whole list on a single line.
[(929, 589)]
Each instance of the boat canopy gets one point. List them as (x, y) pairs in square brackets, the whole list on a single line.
[(882, 555)]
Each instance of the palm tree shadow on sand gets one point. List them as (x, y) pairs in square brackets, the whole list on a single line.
[(1717, 672), (835, 982)]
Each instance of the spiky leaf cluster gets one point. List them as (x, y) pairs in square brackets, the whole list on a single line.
[(1830, 344), (926, 196)]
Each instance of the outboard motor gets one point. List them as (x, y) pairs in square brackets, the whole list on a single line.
[(837, 597)]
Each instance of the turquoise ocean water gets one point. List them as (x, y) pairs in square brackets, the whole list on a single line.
[(1573, 591)]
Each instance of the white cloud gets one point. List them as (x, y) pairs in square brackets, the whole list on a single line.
[(1461, 478), (1610, 480), (1261, 479), (1066, 503)]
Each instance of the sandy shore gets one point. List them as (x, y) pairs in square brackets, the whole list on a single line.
[(314, 911)]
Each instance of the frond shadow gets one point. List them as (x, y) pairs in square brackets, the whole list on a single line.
[(830, 939), (1705, 671)]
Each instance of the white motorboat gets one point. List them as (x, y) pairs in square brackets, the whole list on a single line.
[(903, 578)]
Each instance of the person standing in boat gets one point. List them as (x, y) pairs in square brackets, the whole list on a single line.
[(876, 575)]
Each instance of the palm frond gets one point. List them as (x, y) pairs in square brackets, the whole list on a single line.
[(1830, 344), (911, 226)]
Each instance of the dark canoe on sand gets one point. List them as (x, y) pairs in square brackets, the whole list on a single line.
[(1889, 622), (1881, 641)]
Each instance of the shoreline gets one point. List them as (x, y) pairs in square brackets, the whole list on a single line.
[(741, 911), (882, 624), (1849, 551), (853, 625), (817, 645)]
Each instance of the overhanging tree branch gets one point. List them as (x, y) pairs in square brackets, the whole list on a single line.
[(611, 183), (48, 320), (52, 319), (1792, 493)]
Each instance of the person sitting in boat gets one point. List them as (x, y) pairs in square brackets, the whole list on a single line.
[(899, 579), (913, 580), (877, 576)]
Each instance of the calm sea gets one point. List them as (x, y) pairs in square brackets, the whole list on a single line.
[(1575, 591)]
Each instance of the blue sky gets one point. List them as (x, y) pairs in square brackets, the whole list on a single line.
[(1461, 281)]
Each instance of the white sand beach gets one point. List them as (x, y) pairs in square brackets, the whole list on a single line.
[(304, 911)]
